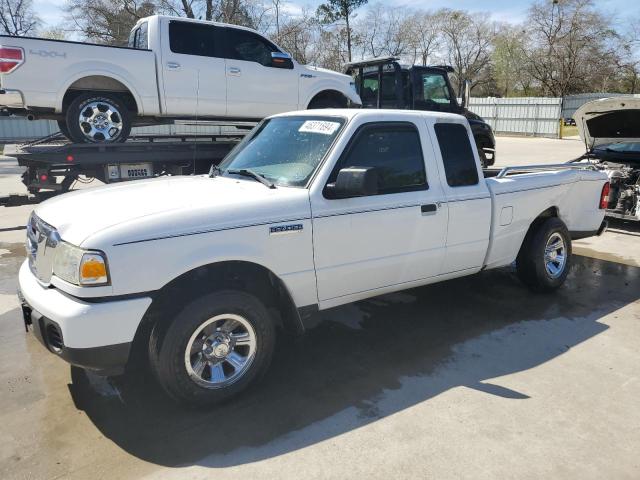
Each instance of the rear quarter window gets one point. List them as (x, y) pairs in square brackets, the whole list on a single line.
[(457, 154), (139, 37)]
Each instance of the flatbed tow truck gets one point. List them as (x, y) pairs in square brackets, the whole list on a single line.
[(54, 165)]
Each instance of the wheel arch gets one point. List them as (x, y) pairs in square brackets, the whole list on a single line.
[(328, 93), (100, 82), (550, 212), (233, 274)]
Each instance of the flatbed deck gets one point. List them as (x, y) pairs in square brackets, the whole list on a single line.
[(144, 156)]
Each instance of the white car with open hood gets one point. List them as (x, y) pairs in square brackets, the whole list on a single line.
[(610, 128), (312, 210)]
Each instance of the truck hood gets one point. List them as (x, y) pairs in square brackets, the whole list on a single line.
[(608, 120), (326, 73), (168, 206)]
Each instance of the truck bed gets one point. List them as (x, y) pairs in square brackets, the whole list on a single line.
[(519, 194), (65, 62)]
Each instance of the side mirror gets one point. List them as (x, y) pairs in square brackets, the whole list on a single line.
[(466, 93), (353, 182), (281, 60)]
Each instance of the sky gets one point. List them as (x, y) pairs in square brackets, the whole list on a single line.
[(50, 11)]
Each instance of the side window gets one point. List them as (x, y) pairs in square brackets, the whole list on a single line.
[(133, 38), (243, 45), (394, 150), (369, 94), (142, 39), (457, 154), (193, 39), (434, 88)]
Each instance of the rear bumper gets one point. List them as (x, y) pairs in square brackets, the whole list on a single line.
[(11, 99), (95, 336)]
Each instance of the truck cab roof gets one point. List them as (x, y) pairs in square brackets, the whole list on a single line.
[(377, 61), (377, 114)]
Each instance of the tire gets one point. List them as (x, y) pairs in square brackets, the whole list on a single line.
[(537, 270), (62, 125), (193, 386), (483, 157), (67, 182), (326, 102), (88, 120)]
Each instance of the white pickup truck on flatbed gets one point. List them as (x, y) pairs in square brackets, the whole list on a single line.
[(310, 211), (173, 68)]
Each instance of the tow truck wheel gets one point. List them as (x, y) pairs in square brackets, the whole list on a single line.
[(544, 259), (98, 119), (214, 348)]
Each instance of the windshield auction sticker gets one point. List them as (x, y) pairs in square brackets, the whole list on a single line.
[(319, 126)]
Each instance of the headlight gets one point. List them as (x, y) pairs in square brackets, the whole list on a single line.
[(80, 267)]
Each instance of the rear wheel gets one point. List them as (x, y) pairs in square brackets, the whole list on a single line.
[(544, 260), (62, 125), (214, 348), (100, 118)]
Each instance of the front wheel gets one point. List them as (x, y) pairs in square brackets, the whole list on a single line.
[(327, 102), (544, 259), (101, 118), (214, 348)]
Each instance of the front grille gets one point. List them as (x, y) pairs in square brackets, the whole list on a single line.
[(42, 240), (54, 337)]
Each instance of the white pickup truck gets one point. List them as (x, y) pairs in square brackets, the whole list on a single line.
[(174, 68), (310, 211)]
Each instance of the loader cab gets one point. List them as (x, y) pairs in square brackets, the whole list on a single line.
[(385, 83)]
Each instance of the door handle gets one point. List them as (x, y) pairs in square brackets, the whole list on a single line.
[(173, 65), (429, 209), (234, 70)]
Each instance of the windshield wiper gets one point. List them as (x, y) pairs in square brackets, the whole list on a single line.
[(245, 172)]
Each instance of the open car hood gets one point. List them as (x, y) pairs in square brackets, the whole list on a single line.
[(609, 120)]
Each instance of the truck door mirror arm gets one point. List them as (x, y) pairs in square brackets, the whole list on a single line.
[(353, 182)]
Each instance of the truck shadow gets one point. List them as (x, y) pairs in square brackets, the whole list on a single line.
[(367, 361)]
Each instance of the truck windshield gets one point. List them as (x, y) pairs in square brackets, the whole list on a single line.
[(285, 150)]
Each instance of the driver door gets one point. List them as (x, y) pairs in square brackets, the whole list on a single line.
[(432, 91), (255, 88), (385, 240)]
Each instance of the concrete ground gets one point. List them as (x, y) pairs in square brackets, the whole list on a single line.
[(472, 378)]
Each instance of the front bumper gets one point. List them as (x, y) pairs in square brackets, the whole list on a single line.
[(11, 99), (96, 336)]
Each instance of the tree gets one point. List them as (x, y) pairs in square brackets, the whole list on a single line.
[(467, 42), (569, 43), (629, 49), (510, 68), (299, 35), (335, 11), (107, 21), (425, 30), (17, 17), (384, 31)]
